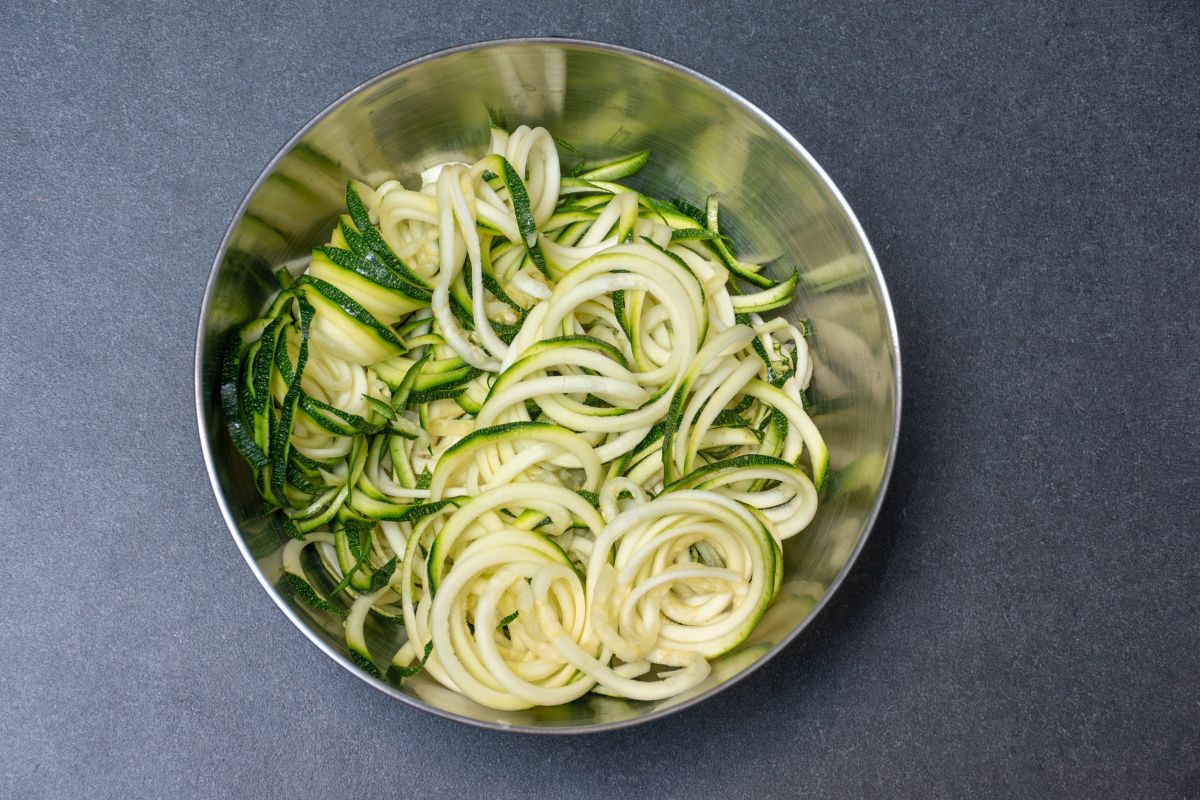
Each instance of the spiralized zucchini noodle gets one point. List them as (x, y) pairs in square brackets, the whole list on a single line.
[(537, 418)]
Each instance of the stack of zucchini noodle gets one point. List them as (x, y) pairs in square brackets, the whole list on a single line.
[(537, 418)]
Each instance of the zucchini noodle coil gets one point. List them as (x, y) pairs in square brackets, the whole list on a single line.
[(535, 417)]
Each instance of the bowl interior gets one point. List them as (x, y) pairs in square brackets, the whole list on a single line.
[(775, 200)]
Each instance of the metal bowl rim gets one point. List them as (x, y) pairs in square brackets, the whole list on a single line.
[(782, 133)]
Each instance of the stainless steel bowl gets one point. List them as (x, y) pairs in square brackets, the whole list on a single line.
[(602, 99)]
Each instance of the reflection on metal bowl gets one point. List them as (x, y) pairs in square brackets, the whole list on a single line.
[(608, 100)]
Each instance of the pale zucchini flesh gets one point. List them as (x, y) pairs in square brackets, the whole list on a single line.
[(537, 418)]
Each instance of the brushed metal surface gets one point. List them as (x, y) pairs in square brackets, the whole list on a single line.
[(775, 199)]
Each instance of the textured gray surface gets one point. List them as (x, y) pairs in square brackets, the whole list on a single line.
[(1024, 621)]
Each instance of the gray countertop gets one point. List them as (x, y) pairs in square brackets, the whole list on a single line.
[(1025, 620)]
